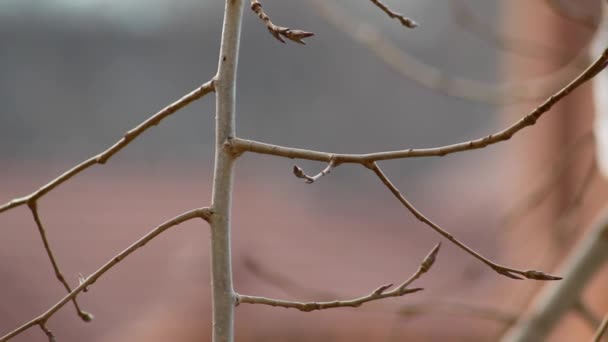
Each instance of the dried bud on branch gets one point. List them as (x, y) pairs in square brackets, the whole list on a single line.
[(279, 31)]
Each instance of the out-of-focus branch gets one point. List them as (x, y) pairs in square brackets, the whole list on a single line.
[(279, 31), (85, 316), (556, 171), (554, 301), (405, 21), (239, 146), (104, 156), (434, 78), (203, 213), (434, 306), (459, 308), (298, 172), (601, 330), (465, 18), (379, 293)]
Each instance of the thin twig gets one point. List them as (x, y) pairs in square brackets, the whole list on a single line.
[(204, 213), (405, 21), (103, 157), (379, 293), (243, 145), (85, 316), (506, 271), (279, 31), (445, 306), (298, 172), (48, 333), (601, 330)]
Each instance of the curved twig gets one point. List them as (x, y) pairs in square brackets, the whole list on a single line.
[(204, 213), (379, 293), (104, 156)]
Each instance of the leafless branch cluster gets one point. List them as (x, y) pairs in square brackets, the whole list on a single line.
[(230, 147)]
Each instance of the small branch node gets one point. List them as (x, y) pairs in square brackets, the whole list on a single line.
[(47, 332), (381, 289), (298, 172), (82, 280)]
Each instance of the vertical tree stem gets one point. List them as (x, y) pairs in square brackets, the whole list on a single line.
[(225, 88)]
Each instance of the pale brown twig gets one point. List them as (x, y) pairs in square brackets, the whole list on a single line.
[(278, 31), (298, 172), (506, 271), (104, 156), (85, 316), (293, 288), (284, 283), (601, 330), (48, 333), (204, 213), (242, 145), (405, 21), (379, 293)]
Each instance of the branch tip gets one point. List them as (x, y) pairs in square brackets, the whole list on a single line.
[(279, 32), (429, 260), (538, 275)]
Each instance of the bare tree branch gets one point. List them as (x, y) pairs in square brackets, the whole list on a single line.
[(204, 213), (104, 156), (434, 306), (405, 21), (85, 316), (278, 31), (242, 145), (379, 293)]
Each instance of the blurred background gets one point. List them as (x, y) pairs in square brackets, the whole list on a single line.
[(76, 75)]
